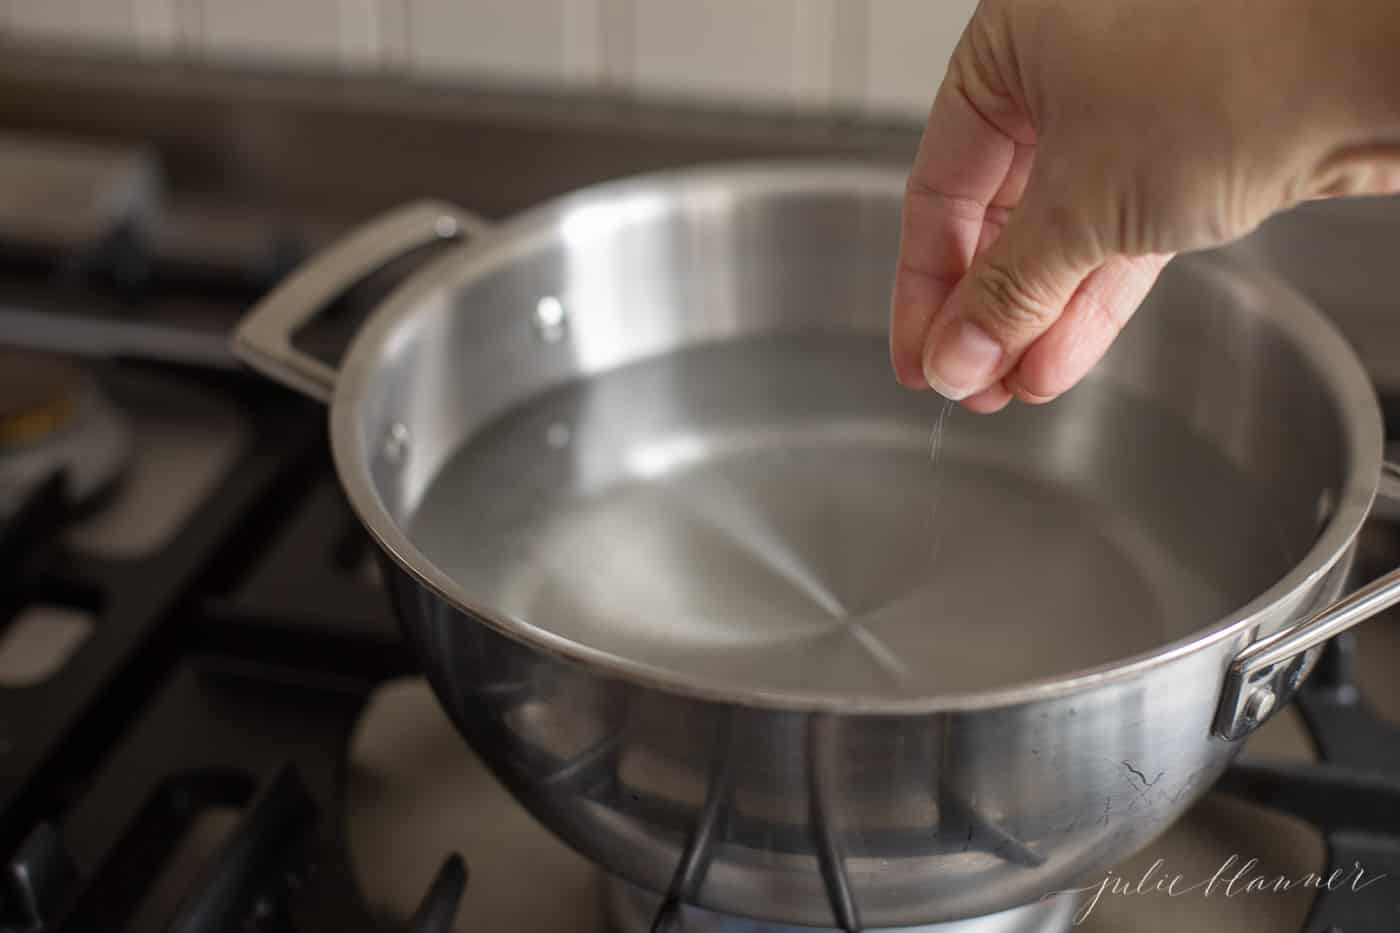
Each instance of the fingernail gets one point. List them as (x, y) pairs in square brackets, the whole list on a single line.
[(963, 362)]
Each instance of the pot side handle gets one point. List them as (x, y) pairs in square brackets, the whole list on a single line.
[(1266, 674), (263, 338), (1387, 507)]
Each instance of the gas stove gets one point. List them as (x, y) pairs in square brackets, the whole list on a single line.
[(208, 720)]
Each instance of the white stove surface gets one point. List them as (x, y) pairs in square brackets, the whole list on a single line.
[(182, 443)]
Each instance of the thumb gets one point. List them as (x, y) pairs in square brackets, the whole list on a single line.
[(1014, 291)]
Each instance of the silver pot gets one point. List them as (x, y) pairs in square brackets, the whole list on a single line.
[(616, 361)]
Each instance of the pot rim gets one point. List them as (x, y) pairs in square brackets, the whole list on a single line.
[(1337, 366)]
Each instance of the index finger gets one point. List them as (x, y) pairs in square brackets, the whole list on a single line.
[(963, 162)]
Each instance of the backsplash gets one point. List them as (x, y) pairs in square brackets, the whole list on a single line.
[(879, 57)]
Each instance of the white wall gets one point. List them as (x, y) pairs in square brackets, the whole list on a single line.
[(882, 57)]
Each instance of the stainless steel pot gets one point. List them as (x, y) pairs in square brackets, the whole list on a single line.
[(585, 374)]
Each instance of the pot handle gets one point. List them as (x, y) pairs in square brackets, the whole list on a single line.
[(1387, 505), (263, 339), (1266, 674)]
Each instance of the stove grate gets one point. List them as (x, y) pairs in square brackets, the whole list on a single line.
[(1352, 795)]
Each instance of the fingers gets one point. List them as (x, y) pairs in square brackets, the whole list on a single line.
[(1358, 172), (1076, 342), (1012, 294), (1083, 333), (963, 163), (990, 400), (996, 297)]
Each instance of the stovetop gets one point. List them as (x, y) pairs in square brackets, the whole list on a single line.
[(208, 720)]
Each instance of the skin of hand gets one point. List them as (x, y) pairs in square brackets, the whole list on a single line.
[(1075, 146)]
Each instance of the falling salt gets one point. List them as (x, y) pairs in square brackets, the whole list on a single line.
[(937, 440), (936, 484)]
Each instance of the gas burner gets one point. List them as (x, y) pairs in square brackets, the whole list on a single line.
[(637, 911), (54, 418)]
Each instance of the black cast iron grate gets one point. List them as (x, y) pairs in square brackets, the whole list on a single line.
[(1352, 794), (198, 695)]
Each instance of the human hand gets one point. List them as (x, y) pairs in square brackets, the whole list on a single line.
[(1076, 145)]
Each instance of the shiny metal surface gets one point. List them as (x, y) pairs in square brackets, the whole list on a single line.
[(417, 790), (1273, 667), (264, 340), (1388, 495), (633, 910), (763, 513), (1340, 254), (905, 808)]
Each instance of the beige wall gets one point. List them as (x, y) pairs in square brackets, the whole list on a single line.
[(880, 57)]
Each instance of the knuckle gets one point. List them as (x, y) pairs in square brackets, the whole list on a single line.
[(1009, 306), (959, 207)]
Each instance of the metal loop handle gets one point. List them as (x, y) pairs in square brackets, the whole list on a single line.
[(263, 339), (1387, 505), (1266, 673)]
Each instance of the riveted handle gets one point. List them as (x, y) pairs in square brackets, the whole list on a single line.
[(1268, 672), (263, 339)]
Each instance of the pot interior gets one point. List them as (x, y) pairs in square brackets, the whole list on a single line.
[(657, 420)]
